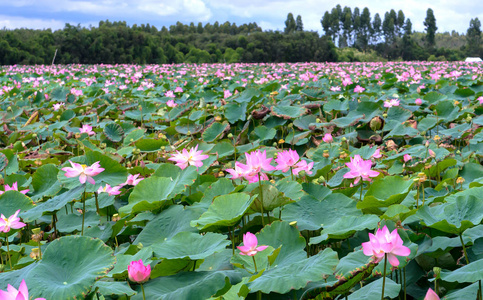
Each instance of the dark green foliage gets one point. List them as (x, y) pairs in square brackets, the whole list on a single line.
[(116, 42)]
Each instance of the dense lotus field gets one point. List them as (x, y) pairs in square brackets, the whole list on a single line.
[(268, 181)]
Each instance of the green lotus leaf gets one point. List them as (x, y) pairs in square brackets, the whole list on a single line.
[(455, 217), (272, 198), (296, 275), (109, 288), (191, 245), (225, 211), (235, 112), (345, 227), (11, 201), (133, 136), (384, 192), (53, 204), (123, 260), (288, 112), (72, 222), (222, 186), (263, 133), (113, 132), (281, 234), (469, 273), (45, 182), (433, 97), (307, 211), (3, 161), (167, 224), (214, 132), (374, 289), (150, 145), (149, 194), (468, 292), (83, 261), (186, 285)]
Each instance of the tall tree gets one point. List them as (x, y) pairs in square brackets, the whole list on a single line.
[(400, 23), (299, 26), (346, 19), (365, 28), (326, 24), (473, 37), (430, 27), (290, 24), (376, 28)]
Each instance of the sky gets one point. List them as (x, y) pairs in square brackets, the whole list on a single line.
[(268, 14)]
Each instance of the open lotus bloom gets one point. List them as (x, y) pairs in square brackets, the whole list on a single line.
[(14, 187), (192, 157), (13, 294), (250, 244), (360, 168), (85, 173), (385, 242), (13, 222)]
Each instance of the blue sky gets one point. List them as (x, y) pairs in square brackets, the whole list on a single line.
[(268, 14)]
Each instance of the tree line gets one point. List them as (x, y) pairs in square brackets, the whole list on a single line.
[(392, 37), (358, 36), (116, 42)]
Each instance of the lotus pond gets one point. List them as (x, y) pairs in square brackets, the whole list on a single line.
[(257, 181)]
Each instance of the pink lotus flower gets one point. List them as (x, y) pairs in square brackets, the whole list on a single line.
[(250, 243), (432, 153), (480, 99), (359, 89), (13, 188), (377, 154), (178, 89), (407, 157), (431, 295), (418, 101), (57, 106), (335, 88), (169, 94), (288, 159), (328, 138), (171, 103), (13, 294), (192, 157), (84, 172), (391, 103), (256, 163), (360, 168), (385, 243), (13, 222), (87, 129), (226, 94), (111, 191), (132, 180), (138, 272), (239, 171), (75, 92)]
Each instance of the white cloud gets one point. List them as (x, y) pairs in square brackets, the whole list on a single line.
[(20, 22)]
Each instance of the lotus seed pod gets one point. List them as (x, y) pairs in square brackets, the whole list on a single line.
[(230, 135), (34, 135), (376, 123), (274, 144)]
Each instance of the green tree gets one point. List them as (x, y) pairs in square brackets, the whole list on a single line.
[(376, 28), (299, 26), (430, 27), (290, 24), (473, 36)]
